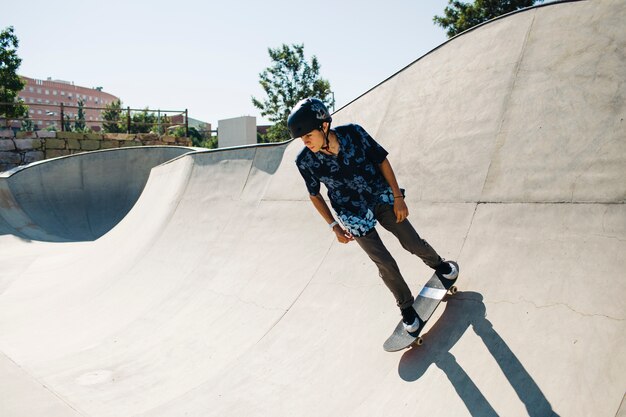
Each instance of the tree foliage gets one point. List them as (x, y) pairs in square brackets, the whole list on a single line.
[(162, 123), (460, 16), (198, 138), (79, 123), (115, 120), (10, 82), (112, 118), (67, 123), (27, 124), (142, 122), (288, 80)]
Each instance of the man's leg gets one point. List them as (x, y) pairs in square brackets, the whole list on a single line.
[(387, 267), (408, 237)]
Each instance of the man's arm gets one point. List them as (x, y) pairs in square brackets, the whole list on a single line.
[(399, 206), (318, 201)]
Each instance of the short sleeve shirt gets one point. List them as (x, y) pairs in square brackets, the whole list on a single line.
[(353, 178)]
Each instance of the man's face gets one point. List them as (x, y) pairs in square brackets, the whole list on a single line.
[(314, 140)]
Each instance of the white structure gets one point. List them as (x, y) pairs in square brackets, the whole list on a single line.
[(236, 131)]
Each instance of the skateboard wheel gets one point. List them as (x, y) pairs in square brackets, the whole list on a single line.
[(453, 289), (419, 341)]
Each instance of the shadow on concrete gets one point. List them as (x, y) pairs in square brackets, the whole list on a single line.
[(464, 310)]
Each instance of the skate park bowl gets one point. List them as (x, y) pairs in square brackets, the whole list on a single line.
[(78, 197), (222, 293)]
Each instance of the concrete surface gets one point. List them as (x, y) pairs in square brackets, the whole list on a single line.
[(79, 197), (222, 293)]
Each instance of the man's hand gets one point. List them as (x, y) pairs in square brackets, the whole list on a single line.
[(400, 209), (343, 236), (399, 206)]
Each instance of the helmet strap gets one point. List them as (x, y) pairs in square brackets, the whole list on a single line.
[(326, 146)]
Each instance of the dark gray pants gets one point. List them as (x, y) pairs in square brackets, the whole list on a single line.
[(387, 266)]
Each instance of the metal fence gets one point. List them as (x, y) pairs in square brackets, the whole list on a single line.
[(58, 116)]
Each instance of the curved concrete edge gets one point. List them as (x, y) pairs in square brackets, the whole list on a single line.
[(78, 197), (147, 320), (454, 38), (501, 121)]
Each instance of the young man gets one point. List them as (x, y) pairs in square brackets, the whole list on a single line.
[(363, 190)]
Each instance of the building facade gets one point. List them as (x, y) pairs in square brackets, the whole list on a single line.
[(44, 99)]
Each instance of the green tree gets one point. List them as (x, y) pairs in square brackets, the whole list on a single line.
[(10, 82), (27, 124), (194, 134), (67, 123), (142, 122), (115, 120), (459, 16), (197, 138), (112, 116), (211, 143), (290, 79), (79, 124), (163, 122)]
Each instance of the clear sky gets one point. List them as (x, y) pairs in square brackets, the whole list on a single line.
[(207, 55)]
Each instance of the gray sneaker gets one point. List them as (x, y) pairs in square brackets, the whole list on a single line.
[(410, 319), (447, 270)]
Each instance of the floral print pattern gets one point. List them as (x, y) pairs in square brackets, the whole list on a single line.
[(353, 179)]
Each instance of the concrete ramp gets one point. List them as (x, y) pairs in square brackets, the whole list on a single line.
[(222, 293), (78, 197)]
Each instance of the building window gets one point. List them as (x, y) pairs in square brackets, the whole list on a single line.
[(39, 91), (31, 89), (62, 93), (47, 92), (54, 92)]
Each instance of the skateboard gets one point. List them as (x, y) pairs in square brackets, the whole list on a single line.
[(425, 305)]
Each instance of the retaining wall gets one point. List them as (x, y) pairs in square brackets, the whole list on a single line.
[(20, 148)]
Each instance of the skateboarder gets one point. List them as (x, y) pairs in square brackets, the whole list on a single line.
[(363, 190)]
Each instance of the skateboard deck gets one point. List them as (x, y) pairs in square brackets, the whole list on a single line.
[(425, 305)]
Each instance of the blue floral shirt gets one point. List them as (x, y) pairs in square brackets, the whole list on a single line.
[(353, 178)]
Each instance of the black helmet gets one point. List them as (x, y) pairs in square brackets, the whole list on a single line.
[(307, 115)]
